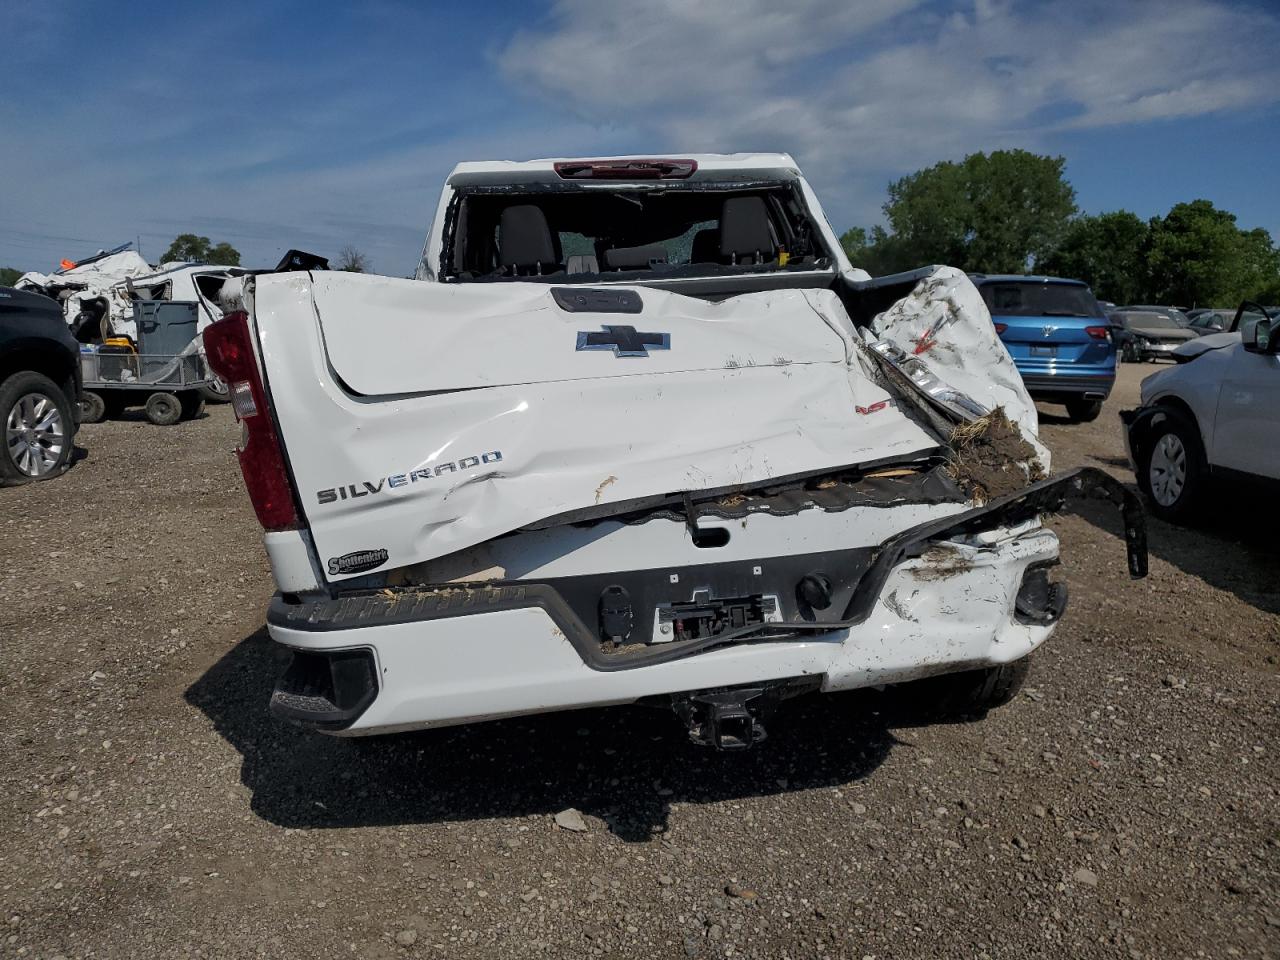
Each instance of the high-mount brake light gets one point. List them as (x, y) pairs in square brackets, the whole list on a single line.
[(648, 169), (1098, 333), (229, 347)]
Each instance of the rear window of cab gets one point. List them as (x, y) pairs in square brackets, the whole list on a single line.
[(1032, 299)]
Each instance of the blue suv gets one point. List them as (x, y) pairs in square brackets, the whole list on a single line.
[(1058, 337)]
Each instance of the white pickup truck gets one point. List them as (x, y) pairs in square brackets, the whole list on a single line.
[(638, 431)]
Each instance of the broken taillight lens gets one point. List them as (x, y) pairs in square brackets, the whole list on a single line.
[(648, 169), (1098, 333), (229, 347)]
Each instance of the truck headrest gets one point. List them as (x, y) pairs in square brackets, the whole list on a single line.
[(745, 231), (525, 239)]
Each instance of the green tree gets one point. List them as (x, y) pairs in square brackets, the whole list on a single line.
[(856, 245), (991, 213), (1108, 252), (1259, 267), (224, 255), (191, 248), (9, 276), (1197, 256), (877, 253)]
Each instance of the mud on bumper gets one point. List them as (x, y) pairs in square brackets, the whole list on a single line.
[(524, 646)]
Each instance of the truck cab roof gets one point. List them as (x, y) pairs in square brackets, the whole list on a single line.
[(731, 219), (705, 166)]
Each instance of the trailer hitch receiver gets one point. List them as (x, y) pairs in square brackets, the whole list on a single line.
[(723, 719), (732, 718)]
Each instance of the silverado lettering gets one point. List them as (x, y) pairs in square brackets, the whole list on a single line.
[(351, 491)]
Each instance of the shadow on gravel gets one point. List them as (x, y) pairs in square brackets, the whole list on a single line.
[(1232, 547), (1121, 462), (625, 765), (139, 415)]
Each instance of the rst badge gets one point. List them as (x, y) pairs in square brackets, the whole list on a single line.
[(359, 561)]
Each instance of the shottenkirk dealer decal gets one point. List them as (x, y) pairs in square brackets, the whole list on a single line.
[(357, 562), (364, 488)]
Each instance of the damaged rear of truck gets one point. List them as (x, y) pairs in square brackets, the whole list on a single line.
[(638, 432)]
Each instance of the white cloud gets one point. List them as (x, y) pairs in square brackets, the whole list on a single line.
[(607, 59), (859, 94)]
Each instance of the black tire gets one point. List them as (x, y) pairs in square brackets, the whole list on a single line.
[(93, 407), (1172, 467), (192, 404), (1129, 353), (1081, 410), (972, 692), (115, 403), (164, 409), (21, 397), (215, 392)]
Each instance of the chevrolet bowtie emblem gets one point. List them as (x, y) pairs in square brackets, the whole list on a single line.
[(623, 341)]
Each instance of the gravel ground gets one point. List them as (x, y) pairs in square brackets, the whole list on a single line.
[(1125, 805)]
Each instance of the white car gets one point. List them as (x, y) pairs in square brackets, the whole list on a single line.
[(639, 432), (1213, 418)]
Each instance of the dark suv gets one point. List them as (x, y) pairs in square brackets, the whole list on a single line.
[(39, 387)]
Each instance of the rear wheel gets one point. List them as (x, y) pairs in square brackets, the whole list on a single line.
[(1081, 410), (38, 428), (164, 409), (1172, 469), (215, 391), (93, 408), (192, 404), (115, 404)]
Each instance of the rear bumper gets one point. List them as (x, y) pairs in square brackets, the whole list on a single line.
[(948, 595), (1064, 385), (1158, 351), (512, 662)]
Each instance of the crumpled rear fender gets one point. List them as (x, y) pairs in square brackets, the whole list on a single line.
[(935, 326)]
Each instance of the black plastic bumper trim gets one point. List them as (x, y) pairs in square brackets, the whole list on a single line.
[(376, 608), (326, 690)]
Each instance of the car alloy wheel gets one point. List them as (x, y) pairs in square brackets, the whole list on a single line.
[(35, 434), (1167, 472)]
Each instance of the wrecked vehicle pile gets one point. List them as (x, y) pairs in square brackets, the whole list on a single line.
[(639, 432), (110, 302)]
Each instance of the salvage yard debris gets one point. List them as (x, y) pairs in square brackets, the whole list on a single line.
[(990, 457)]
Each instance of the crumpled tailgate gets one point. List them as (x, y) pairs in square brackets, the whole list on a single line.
[(486, 418)]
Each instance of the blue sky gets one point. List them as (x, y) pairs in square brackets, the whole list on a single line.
[(317, 125)]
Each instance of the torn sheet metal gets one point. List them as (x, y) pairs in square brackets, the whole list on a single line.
[(211, 288), (92, 288), (941, 336), (98, 295), (455, 414)]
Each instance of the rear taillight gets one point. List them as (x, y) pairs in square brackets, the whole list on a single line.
[(1098, 333), (647, 169), (1001, 328), (229, 348)]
